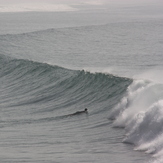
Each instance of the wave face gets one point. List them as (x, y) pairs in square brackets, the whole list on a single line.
[(42, 83), (35, 101)]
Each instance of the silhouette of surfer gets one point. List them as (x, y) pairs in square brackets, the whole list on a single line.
[(80, 112)]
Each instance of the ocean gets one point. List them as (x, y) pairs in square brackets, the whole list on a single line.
[(53, 64)]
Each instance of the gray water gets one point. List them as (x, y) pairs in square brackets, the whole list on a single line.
[(123, 46), (123, 41)]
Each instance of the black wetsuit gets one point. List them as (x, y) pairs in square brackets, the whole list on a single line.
[(80, 112)]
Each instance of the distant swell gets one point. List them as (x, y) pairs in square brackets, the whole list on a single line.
[(36, 7)]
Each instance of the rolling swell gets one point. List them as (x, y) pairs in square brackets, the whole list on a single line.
[(140, 112), (31, 83), (39, 94)]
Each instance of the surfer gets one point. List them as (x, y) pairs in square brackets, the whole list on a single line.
[(80, 112)]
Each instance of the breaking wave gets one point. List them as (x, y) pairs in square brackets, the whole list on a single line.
[(140, 112), (136, 105)]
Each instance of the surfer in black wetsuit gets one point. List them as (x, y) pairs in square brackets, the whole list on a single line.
[(80, 112)]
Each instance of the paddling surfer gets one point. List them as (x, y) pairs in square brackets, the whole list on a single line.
[(80, 112)]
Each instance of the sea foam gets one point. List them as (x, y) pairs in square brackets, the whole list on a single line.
[(140, 112)]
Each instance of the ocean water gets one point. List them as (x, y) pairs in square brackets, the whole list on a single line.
[(54, 64)]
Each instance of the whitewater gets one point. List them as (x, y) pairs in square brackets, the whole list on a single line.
[(53, 64)]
